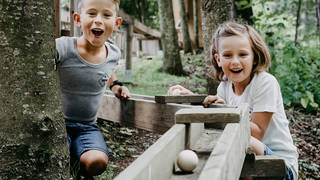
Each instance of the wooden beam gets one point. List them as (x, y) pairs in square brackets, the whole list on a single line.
[(180, 99), (57, 17), (208, 115), (264, 166), (143, 29), (227, 157), (157, 162), (140, 113)]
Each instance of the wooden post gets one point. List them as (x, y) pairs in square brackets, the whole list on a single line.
[(71, 18), (57, 17), (128, 71)]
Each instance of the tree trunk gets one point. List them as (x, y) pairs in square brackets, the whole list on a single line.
[(169, 39), (297, 23), (318, 16), (185, 29), (196, 24), (33, 143), (213, 13)]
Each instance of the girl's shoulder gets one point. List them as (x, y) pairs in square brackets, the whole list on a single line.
[(263, 78)]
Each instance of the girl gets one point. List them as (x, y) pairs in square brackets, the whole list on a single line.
[(240, 59)]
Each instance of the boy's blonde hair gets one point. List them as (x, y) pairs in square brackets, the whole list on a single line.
[(261, 59), (117, 3)]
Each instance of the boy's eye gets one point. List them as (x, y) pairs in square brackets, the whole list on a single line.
[(91, 13), (107, 15)]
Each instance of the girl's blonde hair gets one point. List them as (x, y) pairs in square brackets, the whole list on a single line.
[(262, 59)]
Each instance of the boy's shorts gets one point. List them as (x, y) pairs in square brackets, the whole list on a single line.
[(289, 175), (83, 137)]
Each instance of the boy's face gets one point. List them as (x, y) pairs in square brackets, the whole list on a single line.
[(98, 19)]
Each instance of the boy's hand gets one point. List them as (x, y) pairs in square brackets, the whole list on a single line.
[(178, 90), (212, 99), (121, 92)]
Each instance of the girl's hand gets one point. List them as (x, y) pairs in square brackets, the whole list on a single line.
[(212, 99), (178, 90), (121, 92)]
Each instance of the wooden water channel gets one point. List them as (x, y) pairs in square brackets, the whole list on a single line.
[(223, 152)]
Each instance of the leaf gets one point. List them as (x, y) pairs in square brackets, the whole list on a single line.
[(304, 102), (310, 96)]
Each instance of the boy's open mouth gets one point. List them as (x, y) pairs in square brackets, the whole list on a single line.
[(236, 71), (97, 32)]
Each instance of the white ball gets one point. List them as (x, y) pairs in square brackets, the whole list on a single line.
[(187, 160), (176, 92)]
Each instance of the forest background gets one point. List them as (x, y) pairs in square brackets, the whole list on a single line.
[(292, 31)]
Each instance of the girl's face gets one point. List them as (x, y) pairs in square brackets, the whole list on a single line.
[(235, 57)]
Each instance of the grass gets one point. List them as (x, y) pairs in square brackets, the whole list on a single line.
[(147, 79)]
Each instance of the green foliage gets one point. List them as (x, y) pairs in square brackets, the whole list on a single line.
[(148, 80), (297, 68), (145, 11)]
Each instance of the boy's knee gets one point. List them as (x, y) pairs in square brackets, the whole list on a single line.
[(93, 163)]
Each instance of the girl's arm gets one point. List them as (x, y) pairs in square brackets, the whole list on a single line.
[(259, 124)]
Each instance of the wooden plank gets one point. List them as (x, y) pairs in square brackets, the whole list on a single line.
[(57, 17), (264, 166), (143, 29), (157, 162), (180, 99), (227, 157), (208, 115), (140, 113)]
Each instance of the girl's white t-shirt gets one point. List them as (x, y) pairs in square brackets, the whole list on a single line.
[(263, 95)]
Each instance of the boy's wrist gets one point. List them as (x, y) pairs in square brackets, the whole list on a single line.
[(114, 83)]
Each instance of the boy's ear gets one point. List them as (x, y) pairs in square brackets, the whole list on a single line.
[(217, 58), (77, 19), (118, 22)]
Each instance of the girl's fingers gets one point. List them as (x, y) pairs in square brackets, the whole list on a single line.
[(209, 100), (220, 101)]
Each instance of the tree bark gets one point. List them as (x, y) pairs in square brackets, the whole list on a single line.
[(169, 39), (318, 16), (297, 23), (213, 13), (196, 24), (185, 29), (33, 143)]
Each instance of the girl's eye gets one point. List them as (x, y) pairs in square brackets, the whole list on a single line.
[(227, 55), (243, 55), (107, 15), (91, 13)]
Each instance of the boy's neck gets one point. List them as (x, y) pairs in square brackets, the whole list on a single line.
[(91, 54), (85, 45)]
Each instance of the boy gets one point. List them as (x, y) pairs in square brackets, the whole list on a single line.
[(85, 66)]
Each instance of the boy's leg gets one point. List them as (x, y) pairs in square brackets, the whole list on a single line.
[(88, 147), (93, 162)]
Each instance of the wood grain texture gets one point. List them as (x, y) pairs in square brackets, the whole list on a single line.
[(227, 157), (140, 113), (208, 115)]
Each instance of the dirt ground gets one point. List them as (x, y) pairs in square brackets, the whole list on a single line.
[(127, 143)]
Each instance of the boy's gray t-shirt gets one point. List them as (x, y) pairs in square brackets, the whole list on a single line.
[(82, 83)]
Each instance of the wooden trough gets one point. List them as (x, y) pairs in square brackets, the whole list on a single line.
[(223, 153)]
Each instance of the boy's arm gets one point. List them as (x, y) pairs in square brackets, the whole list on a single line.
[(117, 88)]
